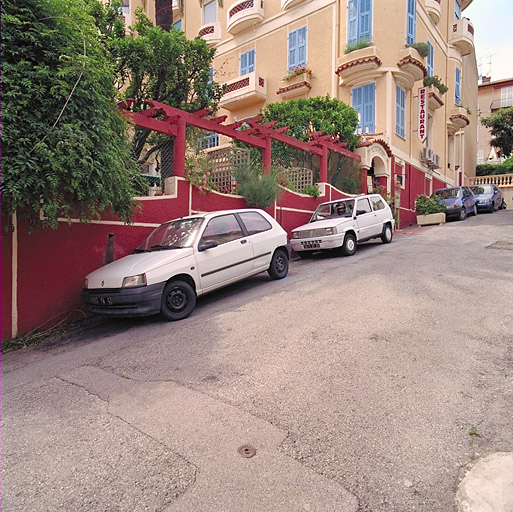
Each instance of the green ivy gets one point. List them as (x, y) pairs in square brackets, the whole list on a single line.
[(422, 48), (437, 82), (357, 46), (65, 146)]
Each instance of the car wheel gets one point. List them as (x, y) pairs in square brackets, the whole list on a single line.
[(304, 254), (349, 246), (178, 300), (279, 266), (474, 210), (387, 235), (492, 207), (463, 213)]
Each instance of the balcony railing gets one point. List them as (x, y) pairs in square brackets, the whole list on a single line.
[(461, 35), (211, 33), (244, 14), (243, 91), (502, 103)]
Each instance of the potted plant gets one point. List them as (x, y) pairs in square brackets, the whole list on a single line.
[(429, 210)]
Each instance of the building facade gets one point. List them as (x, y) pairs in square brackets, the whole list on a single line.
[(491, 97), (414, 138)]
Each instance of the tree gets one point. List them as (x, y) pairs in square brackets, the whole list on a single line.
[(161, 65), (65, 145), (304, 116), (501, 125)]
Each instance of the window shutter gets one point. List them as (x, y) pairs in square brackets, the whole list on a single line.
[(411, 22), (430, 59), (251, 61), (368, 108), (352, 21), (292, 49), (357, 104), (364, 20), (243, 63), (301, 46), (457, 95), (399, 111)]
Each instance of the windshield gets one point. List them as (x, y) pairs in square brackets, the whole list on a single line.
[(447, 193), (481, 189), (172, 235), (335, 209)]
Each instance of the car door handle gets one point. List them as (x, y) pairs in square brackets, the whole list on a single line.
[(243, 241)]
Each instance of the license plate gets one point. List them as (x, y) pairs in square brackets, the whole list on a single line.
[(102, 301), (310, 245)]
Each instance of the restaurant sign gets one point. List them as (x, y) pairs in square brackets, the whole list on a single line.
[(423, 120)]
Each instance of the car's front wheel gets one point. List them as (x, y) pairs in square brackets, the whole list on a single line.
[(474, 210), (178, 300), (387, 235), (279, 266), (463, 213), (492, 207), (349, 246)]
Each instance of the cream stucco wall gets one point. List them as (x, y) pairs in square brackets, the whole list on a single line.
[(326, 22)]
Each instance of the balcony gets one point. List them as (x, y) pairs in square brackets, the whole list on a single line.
[(461, 36), (434, 98), (410, 68), (502, 103), (243, 91), (434, 10), (244, 14), (288, 4), (295, 86), (359, 66), (458, 119), (211, 33)]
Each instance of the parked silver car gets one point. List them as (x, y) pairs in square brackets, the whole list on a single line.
[(342, 224)]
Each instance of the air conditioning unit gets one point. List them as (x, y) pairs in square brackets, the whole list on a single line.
[(436, 161), (427, 155)]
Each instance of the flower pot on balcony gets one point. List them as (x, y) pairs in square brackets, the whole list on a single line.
[(294, 86)]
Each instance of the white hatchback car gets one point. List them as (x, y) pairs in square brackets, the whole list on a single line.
[(185, 258), (344, 223)]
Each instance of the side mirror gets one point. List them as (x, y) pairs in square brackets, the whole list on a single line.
[(209, 244)]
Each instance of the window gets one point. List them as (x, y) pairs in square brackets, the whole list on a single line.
[(400, 103), (411, 22), (178, 24), (363, 101), (209, 12), (222, 229), (507, 96), (125, 7), (457, 9), (254, 222), (457, 87), (363, 206), (210, 140), (247, 62), (297, 48), (430, 60), (377, 203), (359, 21)]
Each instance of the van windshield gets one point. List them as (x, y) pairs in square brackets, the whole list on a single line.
[(342, 208)]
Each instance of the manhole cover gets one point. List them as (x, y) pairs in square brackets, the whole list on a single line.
[(507, 246), (247, 451)]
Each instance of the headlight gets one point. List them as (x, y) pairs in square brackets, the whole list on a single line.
[(132, 281), (485, 201), (295, 234), (330, 231)]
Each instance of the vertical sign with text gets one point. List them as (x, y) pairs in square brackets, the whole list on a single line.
[(423, 94)]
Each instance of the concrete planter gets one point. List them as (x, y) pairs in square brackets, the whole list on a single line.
[(431, 218)]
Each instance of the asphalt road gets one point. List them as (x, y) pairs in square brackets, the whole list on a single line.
[(369, 383)]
